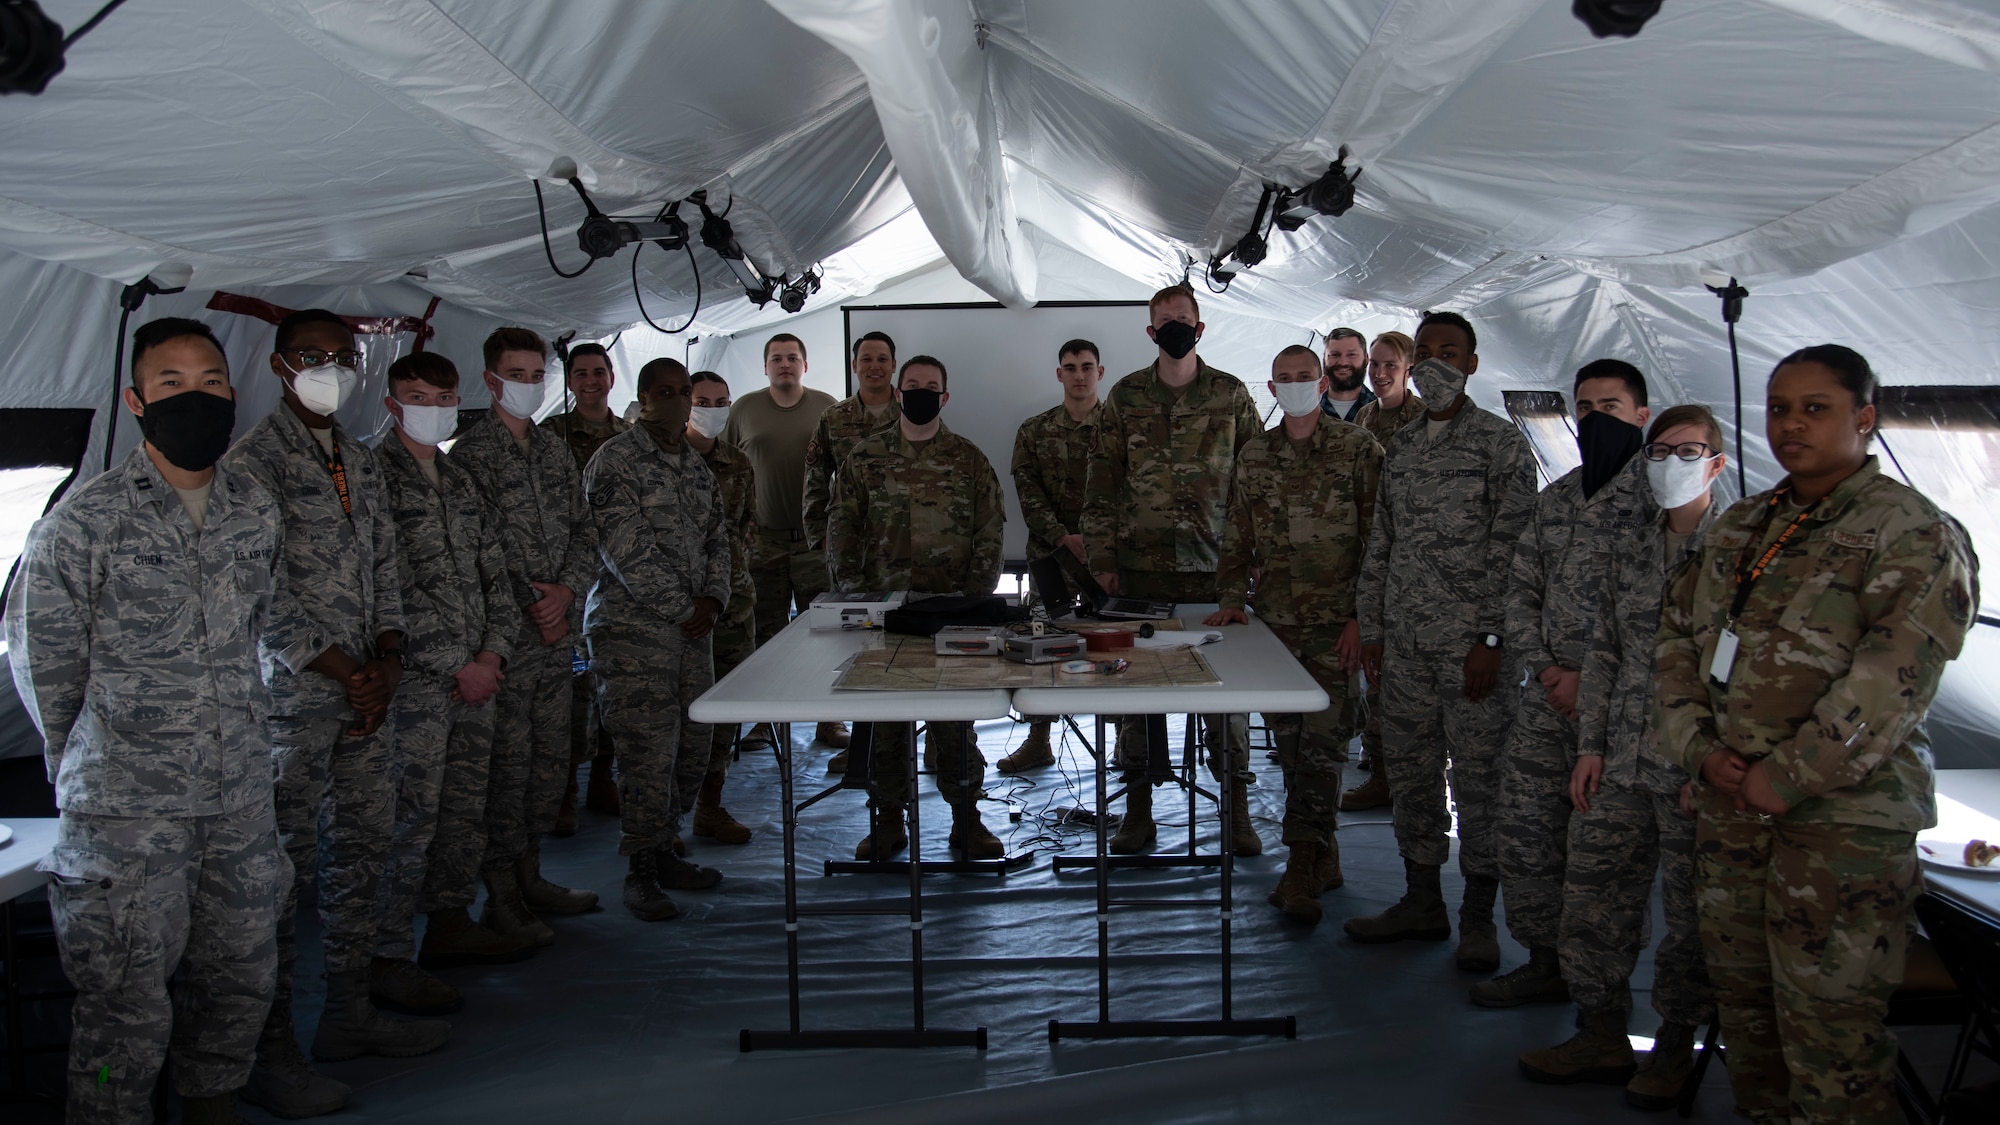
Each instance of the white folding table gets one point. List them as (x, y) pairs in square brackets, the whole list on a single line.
[(788, 680), (31, 841), (1257, 674)]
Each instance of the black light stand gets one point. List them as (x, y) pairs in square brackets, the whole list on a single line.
[(1732, 296)]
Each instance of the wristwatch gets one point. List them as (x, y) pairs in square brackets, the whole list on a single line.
[(398, 654), (1490, 640)]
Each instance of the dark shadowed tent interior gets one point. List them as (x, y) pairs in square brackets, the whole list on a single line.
[(424, 165)]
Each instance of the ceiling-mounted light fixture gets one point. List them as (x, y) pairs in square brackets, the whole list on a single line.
[(793, 296), (1332, 194), (1622, 18), (719, 236)]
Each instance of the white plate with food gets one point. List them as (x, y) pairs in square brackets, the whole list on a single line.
[(1971, 857), (6, 834)]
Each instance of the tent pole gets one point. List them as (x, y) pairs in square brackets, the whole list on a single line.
[(1736, 369)]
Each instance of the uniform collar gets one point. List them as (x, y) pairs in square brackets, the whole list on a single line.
[(296, 427), (1160, 392), (1835, 503), (145, 485), (905, 448), (653, 445)]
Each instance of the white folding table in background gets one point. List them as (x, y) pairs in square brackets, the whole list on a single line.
[(1257, 674), (788, 680)]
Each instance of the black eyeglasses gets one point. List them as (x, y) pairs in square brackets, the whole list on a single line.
[(1686, 451), (314, 357)]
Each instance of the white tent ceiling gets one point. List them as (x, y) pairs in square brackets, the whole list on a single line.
[(1841, 157)]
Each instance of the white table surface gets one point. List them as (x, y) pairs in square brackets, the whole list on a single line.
[(1257, 674), (1968, 808), (33, 837), (790, 680)]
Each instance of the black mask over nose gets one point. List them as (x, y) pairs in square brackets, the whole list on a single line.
[(1606, 444)]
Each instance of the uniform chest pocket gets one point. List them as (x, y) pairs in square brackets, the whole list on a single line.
[(1311, 520), (1824, 611)]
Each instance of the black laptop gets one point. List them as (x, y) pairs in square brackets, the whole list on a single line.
[(1053, 581)]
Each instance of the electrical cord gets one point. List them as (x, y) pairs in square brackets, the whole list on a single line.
[(641, 299), (541, 209), (90, 24)]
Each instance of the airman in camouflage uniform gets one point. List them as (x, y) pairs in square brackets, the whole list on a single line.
[(339, 563), (1452, 507), (1299, 514), (1841, 645), (735, 636), (662, 585), (587, 371), (1388, 370), (1631, 828), (1156, 506), (532, 483), (922, 514), (1051, 465), (460, 614), (132, 629)]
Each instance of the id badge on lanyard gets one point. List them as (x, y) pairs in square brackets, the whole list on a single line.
[(1726, 644)]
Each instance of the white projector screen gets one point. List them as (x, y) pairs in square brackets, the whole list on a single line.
[(1002, 365)]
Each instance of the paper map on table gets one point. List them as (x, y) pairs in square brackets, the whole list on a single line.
[(898, 663)]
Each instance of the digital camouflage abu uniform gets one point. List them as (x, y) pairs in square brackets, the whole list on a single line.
[(1559, 599), (456, 604), (583, 437), (339, 567), (1382, 425), (1450, 512), (1156, 499), (665, 543), (843, 425), (1300, 512), (549, 536), (735, 636), (927, 518), (1842, 642), (133, 639), (1634, 826)]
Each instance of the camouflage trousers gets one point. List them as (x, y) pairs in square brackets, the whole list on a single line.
[(646, 679), (136, 898), (1312, 749), (956, 763), (1534, 817), (785, 573), (1181, 588), (336, 810), (1628, 834), (1368, 708), (529, 770), (735, 638), (1434, 742), (1806, 929), (443, 749), (585, 725)]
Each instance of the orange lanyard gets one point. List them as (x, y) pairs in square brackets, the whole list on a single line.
[(1746, 578), (339, 472)]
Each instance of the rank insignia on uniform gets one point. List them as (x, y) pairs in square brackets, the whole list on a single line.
[(600, 498), (812, 451)]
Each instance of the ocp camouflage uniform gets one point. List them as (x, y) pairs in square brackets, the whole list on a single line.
[(735, 636), (133, 641), (335, 802), (926, 518), (456, 604), (841, 427), (549, 536), (1156, 501), (1382, 424), (1560, 597), (1051, 466), (583, 437), (1449, 515), (1842, 643), (1301, 511), (1634, 826), (665, 543)]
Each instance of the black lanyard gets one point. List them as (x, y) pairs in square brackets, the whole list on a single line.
[(1747, 575)]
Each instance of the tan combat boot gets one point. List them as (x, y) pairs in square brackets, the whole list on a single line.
[(1370, 794), (451, 941), (832, 734), (1478, 938), (644, 897), (1297, 892), (1598, 1052), (1035, 753), (887, 833), (763, 734), (1664, 1073), (1418, 916), (350, 1027), (711, 820), (1136, 832), (505, 914), (1330, 878), (1243, 838), (400, 986), (970, 835), (1538, 980), (281, 1081), (544, 897)]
